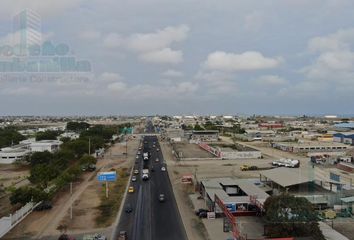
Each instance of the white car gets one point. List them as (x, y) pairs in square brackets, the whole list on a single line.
[(163, 169), (157, 160), (133, 178), (137, 157)]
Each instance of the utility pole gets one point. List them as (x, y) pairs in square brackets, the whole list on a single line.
[(71, 194), (89, 150)]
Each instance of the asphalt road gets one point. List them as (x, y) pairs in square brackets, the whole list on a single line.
[(151, 219)]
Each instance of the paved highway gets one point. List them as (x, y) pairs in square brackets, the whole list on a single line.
[(150, 218)]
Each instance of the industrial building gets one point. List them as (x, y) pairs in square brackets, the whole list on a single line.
[(346, 138), (43, 145), (236, 195), (301, 183), (306, 147), (204, 136)]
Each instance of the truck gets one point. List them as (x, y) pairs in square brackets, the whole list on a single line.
[(145, 174), (285, 162), (146, 156)]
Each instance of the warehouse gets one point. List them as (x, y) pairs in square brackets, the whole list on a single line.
[(236, 194), (204, 136), (299, 182), (305, 147), (346, 138)]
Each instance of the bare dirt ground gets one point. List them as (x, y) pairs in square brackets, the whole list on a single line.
[(85, 199), (345, 227), (10, 176), (192, 151)]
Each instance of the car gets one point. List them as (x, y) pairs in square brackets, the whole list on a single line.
[(157, 149), (139, 148), (136, 171), (128, 208), (162, 197), (152, 169), (153, 146), (45, 205), (131, 189), (201, 212), (157, 160), (138, 152), (163, 169), (123, 235), (133, 178), (137, 157)]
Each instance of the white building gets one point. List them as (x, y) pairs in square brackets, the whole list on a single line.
[(9, 155), (43, 145)]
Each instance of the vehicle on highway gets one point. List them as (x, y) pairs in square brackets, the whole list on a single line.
[(136, 171), (138, 152), (123, 235), (133, 178), (157, 160), (146, 156), (162, 197), (163, 169), (145, 175), (157, 149), (128, 208), (139, 148), (131, 189), (137, 157), (152, 169)]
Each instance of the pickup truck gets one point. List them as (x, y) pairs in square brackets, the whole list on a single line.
[(145, 174)]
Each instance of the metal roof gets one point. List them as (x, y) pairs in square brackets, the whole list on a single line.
[(347, 199), (286, 177), (214, 186)]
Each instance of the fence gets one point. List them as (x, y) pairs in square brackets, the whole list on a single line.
[(7, 223)]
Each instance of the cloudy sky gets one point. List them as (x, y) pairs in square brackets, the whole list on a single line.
[(192, 57)]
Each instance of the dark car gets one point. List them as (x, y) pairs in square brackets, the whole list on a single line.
[(128, 208), (123, 235), (200, 210), (46, 205)]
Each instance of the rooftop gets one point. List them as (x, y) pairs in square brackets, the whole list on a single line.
[(286, 177)]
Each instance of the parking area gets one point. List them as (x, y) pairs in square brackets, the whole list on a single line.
[(191, 150)]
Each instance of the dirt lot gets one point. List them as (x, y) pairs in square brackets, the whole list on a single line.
[(85, 199), (345, 227), (10, 176), (192, 151)]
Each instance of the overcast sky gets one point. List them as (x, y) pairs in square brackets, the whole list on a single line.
[(192, 57)]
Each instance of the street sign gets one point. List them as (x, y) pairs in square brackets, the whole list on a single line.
[(107, 176)]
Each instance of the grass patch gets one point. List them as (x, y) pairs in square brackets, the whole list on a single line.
[(109, 206)]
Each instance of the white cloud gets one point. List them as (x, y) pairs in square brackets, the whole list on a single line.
[(117, 87), (161, 39), (172, 73), (166, 55), (110, 77), (271, 80), (113, 40), (340, 40), (246, 61)]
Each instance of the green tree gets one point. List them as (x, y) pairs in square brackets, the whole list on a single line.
[(41, 158), (290, 216), (26, 194), (9, 136), (86, 160), (47, 135), (198, 127), (42, 174), (77, 126), (78, 147)]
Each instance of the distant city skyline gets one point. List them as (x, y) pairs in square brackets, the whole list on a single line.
[(277, 57)]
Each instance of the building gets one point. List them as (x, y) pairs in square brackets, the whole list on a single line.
[(344, 126), (346, 138), (204, 136), (254, 134), (300, 182), (307, 147), (43, 145), (9, 155), (234, 193), (27, 31), (270, 125), (232, 151)]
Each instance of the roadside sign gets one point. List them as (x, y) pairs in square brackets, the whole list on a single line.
[(107, 176)]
